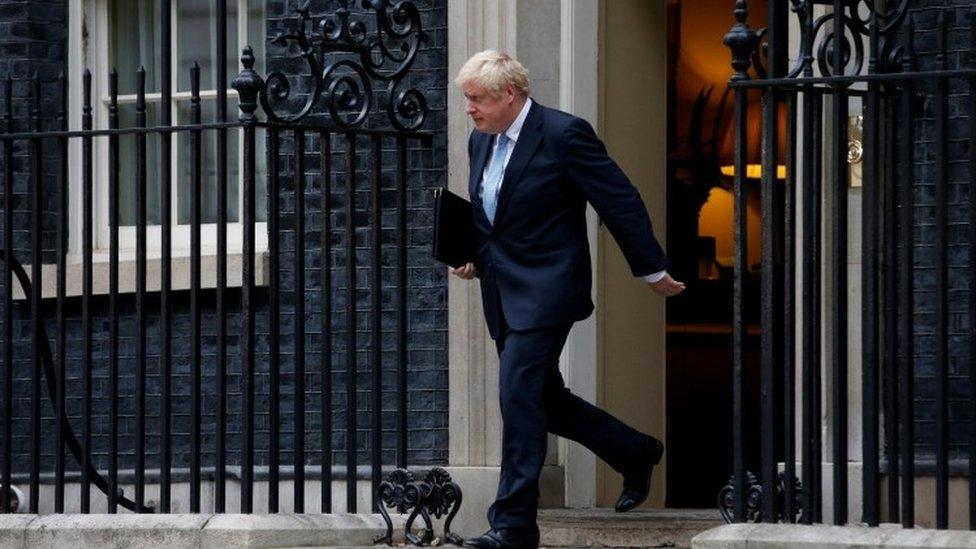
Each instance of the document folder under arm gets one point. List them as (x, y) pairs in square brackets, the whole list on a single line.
[(454, 242)]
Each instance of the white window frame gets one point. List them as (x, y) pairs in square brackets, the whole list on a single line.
[(89, 25)]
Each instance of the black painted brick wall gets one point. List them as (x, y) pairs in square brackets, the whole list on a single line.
[(959, 23), (33, 36), (427, 294), (427, 297)]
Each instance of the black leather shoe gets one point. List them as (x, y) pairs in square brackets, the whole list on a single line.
[(638, 485), (506, 538)]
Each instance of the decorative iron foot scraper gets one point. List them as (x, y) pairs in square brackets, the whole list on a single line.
[(754, 498), (436, 495)]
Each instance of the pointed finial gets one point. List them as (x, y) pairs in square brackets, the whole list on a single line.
[(141, 89), (741, 40), (195, 82), (248, 84), (86, 82), (740, 11), (247, 57), (113, 90)]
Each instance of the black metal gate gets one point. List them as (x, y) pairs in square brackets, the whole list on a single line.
[(345, 57), (916, 323)]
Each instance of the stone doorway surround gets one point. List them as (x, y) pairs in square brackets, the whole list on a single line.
[(557, 41)]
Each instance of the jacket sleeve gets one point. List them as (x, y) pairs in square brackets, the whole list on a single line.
[(619, 205)]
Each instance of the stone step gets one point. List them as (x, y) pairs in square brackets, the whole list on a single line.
[(606, 528), (558, 528)]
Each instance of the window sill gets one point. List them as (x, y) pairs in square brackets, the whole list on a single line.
[(180, 273)]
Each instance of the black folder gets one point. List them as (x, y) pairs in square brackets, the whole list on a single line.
[(454, 242)]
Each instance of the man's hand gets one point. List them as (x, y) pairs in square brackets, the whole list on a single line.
[(667, 286), (467, 272)]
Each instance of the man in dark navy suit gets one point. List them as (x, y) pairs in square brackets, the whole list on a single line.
[(533, 169)]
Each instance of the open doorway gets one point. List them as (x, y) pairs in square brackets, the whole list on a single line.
[(665, 368), (700, 251)]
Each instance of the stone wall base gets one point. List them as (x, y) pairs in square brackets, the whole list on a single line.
[(197, 531), (786, 536), (478, 484)]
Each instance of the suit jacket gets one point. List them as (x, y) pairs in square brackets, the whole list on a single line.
[(534, 262)]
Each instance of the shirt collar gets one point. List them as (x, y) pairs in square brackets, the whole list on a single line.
[(515, 129)]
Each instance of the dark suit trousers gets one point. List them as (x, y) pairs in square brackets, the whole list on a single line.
[(534, 400)]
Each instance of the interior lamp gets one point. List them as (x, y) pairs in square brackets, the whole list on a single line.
[(754, 171)]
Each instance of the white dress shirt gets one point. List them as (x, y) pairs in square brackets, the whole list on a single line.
[(513, 132)]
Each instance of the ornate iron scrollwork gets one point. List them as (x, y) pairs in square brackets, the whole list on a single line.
[(754, 499), (819, 38), (346, 85), (435, 495)]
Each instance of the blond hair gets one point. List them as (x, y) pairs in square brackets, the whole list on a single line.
[(494, 71)]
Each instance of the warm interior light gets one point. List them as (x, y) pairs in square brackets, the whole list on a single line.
[(754, 171)]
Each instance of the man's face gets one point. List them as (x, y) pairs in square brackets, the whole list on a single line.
[(490, 113)]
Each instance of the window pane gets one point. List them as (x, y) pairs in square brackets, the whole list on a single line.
[(260, 170), (127, 167), (134, 42), (208, 167), (198, 42), (256, 35)]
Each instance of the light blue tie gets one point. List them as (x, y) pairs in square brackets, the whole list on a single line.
[(493, 180)]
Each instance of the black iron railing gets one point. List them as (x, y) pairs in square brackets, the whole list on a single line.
[(854, 53), (344, 88)]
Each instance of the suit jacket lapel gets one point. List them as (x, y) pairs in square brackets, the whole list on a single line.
[(482, 148), (525, 147)]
